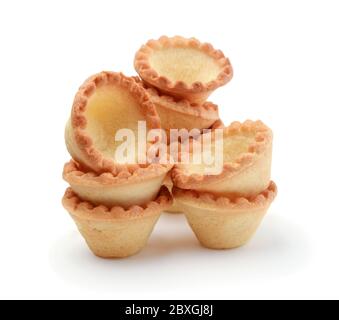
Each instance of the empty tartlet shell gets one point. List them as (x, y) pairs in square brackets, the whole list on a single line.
[(79, 143), (223, 223), (181, 114), (115, 232), (127, 188), (197, 92), (248, 175)]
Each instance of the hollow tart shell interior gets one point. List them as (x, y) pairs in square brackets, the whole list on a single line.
[(183, 68), (106, 103)]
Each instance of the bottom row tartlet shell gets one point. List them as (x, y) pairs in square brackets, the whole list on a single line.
[(116, 232), (183, 68), (223, 223)]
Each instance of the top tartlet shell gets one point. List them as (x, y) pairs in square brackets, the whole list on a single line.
[(196, 92)]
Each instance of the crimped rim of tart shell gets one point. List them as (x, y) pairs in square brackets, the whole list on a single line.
[(262, 142), (116, 232), (80, 143), (206, 110), (221, 222), (86, 210), (125, 189), (150, 75), (73, 174), (211, 201)]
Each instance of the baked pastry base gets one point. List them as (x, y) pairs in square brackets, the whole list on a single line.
[(128, 188), (199, 68), (223, 223), (181, 114), (116, 232), (247, 163), (104, 104)]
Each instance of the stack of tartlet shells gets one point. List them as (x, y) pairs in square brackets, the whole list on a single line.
[(116, 205)]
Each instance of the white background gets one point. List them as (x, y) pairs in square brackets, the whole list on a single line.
[(285, 57)]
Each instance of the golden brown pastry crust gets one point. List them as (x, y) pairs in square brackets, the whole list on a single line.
[(178, 114), (198, 91), (221, 222), (207, 110), (191, 115), (138, 187), (78, 141), (73, 174), (116, 232), (261, 148), (86, 210), (215, 202)]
